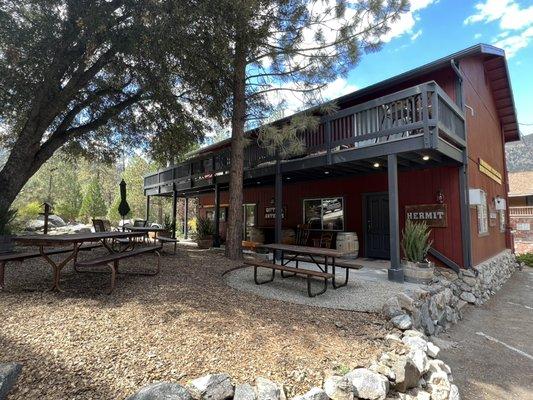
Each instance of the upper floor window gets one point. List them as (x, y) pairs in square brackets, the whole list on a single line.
[(324, 214), (483, 215)]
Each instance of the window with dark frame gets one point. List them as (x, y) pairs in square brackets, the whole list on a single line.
[(325, 214)]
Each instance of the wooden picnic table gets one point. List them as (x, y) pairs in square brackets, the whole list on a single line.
[(76, 240), (145, 229), (295, 253)]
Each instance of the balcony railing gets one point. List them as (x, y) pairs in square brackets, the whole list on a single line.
[(422, 110), (521, 211)]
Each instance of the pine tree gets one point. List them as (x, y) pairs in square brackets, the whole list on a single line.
[(93, 204), (68, 206)]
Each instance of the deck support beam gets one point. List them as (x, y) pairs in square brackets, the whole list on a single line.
[(174, 211), (465, 215), (278, 201), (216, 236), (147, 215), (186, 218), (395, 272)]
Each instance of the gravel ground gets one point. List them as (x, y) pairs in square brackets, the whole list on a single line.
[(185, 322), (367, 289)]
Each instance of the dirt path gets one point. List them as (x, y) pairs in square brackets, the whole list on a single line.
[(492, 357)]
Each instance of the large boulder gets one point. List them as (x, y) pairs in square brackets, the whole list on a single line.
[(244, 392), (211, 387), (338, 388), (367, 384), (9, 373), (161, 391), (315, 393), (268, 390)]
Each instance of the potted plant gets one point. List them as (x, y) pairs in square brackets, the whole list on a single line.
[(6, 221), (204, 232), (415, 246), (167, 224)]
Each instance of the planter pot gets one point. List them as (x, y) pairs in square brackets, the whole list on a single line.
[(418, 272), (6, 244), (205, 243)]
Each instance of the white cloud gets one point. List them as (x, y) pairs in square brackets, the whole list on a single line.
[(408, 20), (477, 35), (515, 22), (416, 35)]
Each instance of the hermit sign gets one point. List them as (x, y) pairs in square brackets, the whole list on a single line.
[(434, 215)]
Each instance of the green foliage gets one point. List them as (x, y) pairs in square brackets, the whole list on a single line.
[(167, 223), (526, 258), (93, 204), (415, 241), (204, 228), (69, 204), (7, 218), (29, 211)]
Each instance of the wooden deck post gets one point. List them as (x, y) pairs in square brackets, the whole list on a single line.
[(395, 272), (186, 218), (278, 203), (147, 216), (216, 236), (174, 210)]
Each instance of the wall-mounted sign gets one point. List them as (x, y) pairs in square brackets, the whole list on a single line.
[(493, 216), (270, 212), (434, 215), (492, 173)]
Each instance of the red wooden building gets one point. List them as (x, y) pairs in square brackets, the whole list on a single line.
[(428, 143)]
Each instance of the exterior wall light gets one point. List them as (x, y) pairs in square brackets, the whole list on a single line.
[(440, 197), (425, 158), (376, 165), (326, 172)]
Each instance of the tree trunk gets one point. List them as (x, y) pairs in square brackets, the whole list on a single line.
[(235, 212)]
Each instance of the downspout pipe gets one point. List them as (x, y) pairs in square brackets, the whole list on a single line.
[(463, 181)]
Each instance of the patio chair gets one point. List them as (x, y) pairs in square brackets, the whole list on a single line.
[(104, 225), (140, 222), (325, 240), (302, 234)]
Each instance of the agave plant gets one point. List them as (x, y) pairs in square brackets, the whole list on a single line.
[(6, 220), (415, 241)]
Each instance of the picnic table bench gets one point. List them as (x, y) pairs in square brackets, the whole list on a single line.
[(5, 258), (112, 260), (309, 274)]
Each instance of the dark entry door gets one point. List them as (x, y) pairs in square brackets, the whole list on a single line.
[(377, 226)]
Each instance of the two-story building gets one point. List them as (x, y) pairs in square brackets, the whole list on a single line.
[(427, 144)]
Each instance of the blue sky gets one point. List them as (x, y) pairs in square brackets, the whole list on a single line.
[(436, 28)]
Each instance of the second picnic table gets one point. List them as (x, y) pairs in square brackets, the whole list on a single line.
[(322, 257)]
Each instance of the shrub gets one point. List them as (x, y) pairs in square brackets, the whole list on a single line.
[(415, 241), (526, 258), (6, 220), (204, 228), (30, 211)]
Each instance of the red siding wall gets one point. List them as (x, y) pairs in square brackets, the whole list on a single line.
[(485, 141), (415, 187)]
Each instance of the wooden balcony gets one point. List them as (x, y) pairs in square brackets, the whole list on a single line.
[(419, 118)]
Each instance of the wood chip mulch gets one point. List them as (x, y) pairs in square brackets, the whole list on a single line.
[(176, 326)]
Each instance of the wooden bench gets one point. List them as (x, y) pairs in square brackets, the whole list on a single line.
[(339, 262), (309, 274), (111, 261), (164, 239), (5, 258)]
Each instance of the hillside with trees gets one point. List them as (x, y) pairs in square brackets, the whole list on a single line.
[(520, 155)]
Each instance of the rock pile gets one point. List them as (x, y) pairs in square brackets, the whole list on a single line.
[(434, 307), (407, 370)]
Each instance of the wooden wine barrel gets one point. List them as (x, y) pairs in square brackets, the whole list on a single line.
[(348, 241)]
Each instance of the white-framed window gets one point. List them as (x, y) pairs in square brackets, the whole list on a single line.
[(502, 220), (325, 214), (483, 215)]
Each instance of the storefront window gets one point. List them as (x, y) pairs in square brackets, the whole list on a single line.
[(324, 214), (482, 215)]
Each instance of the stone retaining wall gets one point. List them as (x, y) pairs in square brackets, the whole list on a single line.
[(406, 370), (434, 307)]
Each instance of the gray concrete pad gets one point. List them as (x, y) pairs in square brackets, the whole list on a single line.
[(492, 352), (367, 290)]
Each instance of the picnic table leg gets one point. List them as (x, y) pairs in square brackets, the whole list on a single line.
[(310, 293), (113, 267), (57, 267), (333, 282)]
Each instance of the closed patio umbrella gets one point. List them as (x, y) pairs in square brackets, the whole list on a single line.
[(123, 207)]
